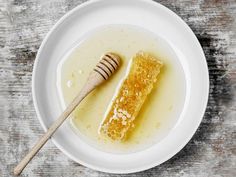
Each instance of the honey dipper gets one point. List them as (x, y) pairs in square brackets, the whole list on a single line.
[(102, 71)]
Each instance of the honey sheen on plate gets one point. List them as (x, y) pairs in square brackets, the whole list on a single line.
[(162, 107)]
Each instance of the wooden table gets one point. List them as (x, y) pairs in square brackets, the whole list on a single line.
[(212, 150)]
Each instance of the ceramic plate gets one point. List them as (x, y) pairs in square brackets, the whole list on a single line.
[(141, 13)]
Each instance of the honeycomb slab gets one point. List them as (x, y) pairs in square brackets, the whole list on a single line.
[(129, 98)]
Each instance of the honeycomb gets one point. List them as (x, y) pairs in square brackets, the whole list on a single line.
[(130, 97)]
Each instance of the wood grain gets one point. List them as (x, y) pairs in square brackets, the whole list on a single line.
[(212, 150)]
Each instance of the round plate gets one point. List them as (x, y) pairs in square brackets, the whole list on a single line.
[(146, 14)]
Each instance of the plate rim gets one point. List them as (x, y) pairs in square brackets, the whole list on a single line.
[(151, 165)]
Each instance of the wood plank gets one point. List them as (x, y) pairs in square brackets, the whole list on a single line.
[(212, 150)]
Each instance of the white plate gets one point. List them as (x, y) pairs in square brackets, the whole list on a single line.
[(146, 14)]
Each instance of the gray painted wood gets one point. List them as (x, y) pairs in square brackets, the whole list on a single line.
[(212, 150)]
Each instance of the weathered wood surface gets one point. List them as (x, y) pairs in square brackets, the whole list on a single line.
[(212, 150)]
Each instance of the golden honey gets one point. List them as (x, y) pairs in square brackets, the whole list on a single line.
[(159, 112)]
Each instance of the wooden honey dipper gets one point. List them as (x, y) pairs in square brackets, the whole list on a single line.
[(103, 70)]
